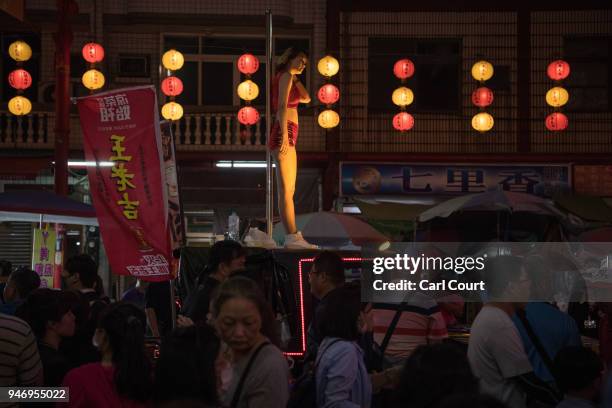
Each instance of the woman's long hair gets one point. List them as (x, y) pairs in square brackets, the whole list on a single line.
[(192, 352), (285, 59), (125, 325), (241, 287)]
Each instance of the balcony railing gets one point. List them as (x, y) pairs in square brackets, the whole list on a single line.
[(194, 132)]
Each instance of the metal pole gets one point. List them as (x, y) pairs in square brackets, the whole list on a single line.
[(269, 174), (63, 41)]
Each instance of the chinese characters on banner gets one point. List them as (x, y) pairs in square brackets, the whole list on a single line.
[(451, 179), (172, 190), (122, 127), (43, 256)]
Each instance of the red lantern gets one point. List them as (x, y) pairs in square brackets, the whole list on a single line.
[(20, 79), (172, 86), (248, 115), (556, 122), (328, 94), (403, 121), (248, 64), (93, 52), (482, 97), (558, 70), (403, 68)]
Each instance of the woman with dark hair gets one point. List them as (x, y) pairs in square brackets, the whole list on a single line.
[(257, 375), (341, 376), (286, 93), (432, 373), (193, 352), (49, 315), (123, 377)]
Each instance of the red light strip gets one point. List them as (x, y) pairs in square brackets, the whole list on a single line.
[(301, 284)]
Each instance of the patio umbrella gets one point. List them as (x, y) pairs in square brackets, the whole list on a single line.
[(492, 201), (328, 229), (45, 206)]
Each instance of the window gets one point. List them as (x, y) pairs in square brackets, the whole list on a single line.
[(437, 79), (210, 76), (589, 83), (134, 66), (8, 65)]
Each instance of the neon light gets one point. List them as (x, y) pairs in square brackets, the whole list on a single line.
[(302, 318)]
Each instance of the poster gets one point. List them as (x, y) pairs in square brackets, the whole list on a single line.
[(43, 256), (121, 132), (172, 187)]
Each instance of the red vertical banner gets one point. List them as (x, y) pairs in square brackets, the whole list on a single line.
[(121, 134)]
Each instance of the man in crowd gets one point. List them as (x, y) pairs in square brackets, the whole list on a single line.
[(495, 350), (136, 294), (226, 259), (326, 274), (20, 364), (18, 286)]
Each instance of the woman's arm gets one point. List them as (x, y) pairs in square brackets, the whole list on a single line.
[(281, 115), (304, 96)]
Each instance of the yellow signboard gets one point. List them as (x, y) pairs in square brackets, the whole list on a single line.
[(43, 256)]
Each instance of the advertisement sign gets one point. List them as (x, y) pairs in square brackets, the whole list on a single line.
[(172, 189), (450, 179), (121, 133), (43, 255)]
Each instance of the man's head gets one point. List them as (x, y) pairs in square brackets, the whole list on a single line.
[(326, 274), (507, 280), (20, 284), (80, 272), (579, 372), (226, 258)]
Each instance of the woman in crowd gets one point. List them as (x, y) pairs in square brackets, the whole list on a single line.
[(341, 376), (432, 373), (123, 377), (257, 375), (193, 352), (48, 312)]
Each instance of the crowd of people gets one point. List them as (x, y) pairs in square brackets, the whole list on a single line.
[(223, 349)]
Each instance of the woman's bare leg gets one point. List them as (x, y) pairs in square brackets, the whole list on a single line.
[(286, 173)]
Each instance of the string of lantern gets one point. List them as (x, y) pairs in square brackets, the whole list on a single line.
[(557, 96), (329, 93), (403, 96), (247, 90), (172, 86), (482, 96), (20, 79), (92, 78)]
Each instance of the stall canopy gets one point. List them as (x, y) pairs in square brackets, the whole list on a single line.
[(45, 206), (586, 207)]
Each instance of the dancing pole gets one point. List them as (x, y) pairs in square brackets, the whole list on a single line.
[(269, 57)]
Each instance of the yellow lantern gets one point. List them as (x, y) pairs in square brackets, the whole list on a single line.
[(557, 96), (482, 122), (19, 105), (172, 111), (93, 79), (248, 90), (402, 96), (482, 71), (173, 60), (20, 51), (328, 119), (328, 66)]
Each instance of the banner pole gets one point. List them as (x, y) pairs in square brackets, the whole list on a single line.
[(269, 68)]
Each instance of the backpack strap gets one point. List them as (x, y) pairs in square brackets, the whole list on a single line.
[(238, 391), (318, 360), (522, 315), (391, 328)]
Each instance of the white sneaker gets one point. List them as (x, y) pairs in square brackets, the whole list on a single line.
[(257, 238), (297, 241)]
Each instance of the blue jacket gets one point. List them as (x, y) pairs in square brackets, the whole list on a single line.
[(342, 380)]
